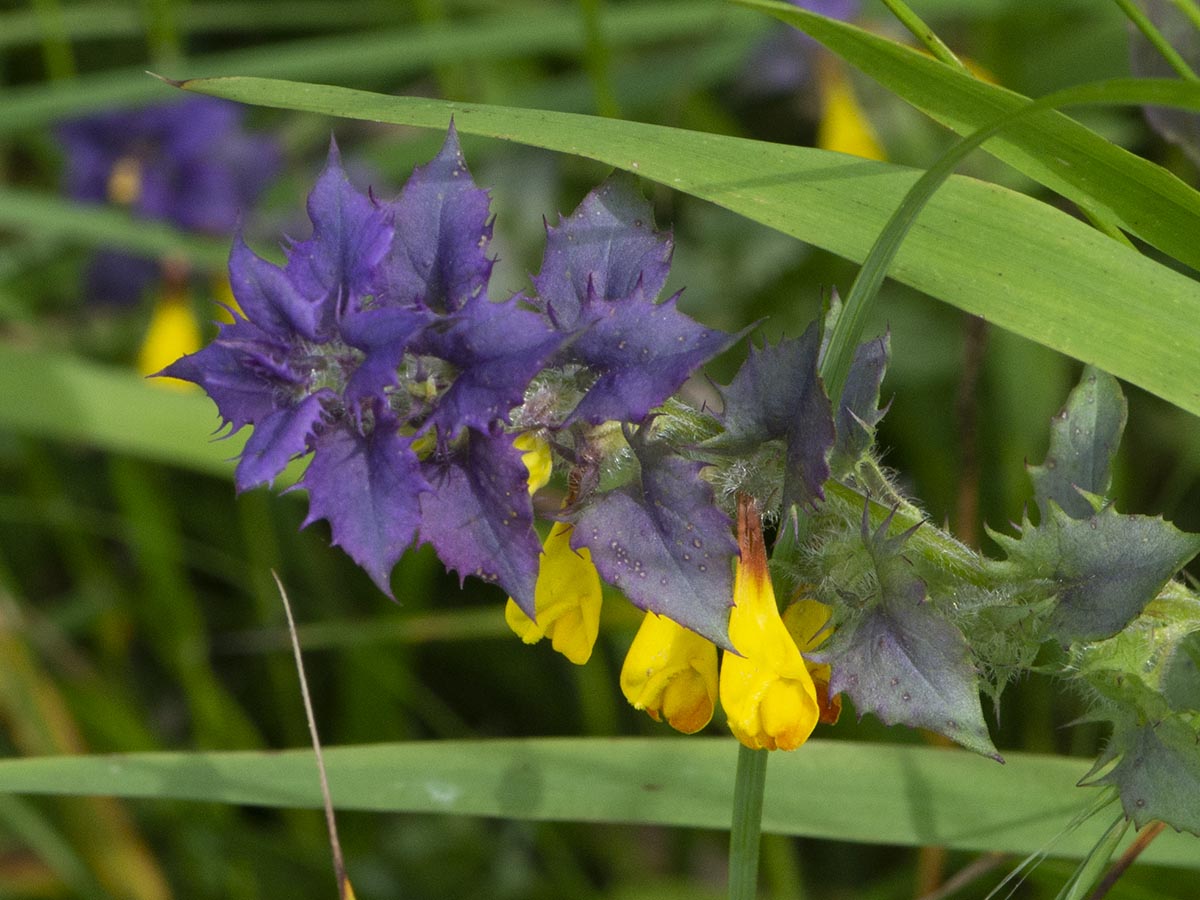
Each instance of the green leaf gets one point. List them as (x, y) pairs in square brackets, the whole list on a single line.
[(902, 661), (838, 790), (66, 399), (1084, 437), (47, 215), (1181, 675), (1104, 569), (1158, 774), (987, 250), (1066, 157), (1093, 866)]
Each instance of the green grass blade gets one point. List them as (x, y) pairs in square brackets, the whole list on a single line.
[(88, 22), (35, 831), (44, 215), (73, 401), (1066, 157), (993, 252), (362, 57), (1118, 92), (872, 793), (1093, 866)]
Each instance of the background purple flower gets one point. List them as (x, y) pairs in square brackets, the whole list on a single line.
[(782, 62), (188, 163)]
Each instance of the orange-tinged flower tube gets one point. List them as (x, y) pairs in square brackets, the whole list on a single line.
[(768, 694), (566, 599), (671, 673)]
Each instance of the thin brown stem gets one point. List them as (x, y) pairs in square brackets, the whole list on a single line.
[(345, 892), (1132, 852), (968, 874)]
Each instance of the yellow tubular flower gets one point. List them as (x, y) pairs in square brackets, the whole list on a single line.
[(807, 621), (173, 332), (567, 595), (844, 126), (767, 692), (566, 599), (535, 453), (671, 673)]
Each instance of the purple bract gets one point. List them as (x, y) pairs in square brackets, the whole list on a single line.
[(603, 267), (375, 348)]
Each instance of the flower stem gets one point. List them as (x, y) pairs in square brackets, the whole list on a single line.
[(747, 823), (923, 33), (1155, 37)]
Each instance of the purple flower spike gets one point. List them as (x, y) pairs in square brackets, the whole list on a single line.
[(187, 163), (784, 62), (479, 516), (498, 348), (603, 250), (642, 351), (443, 226), (288, 367), (351, 235), (372, 335), (376, 349)]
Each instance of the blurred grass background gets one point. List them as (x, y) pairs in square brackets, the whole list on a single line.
[(137, 610)]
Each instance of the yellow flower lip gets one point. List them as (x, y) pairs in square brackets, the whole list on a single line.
[(567, 598), (671, 673), (535, 454)]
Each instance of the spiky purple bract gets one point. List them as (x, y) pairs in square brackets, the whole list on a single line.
[(375, 333)]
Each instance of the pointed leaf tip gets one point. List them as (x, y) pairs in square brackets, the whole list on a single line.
[(1084, 437)]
